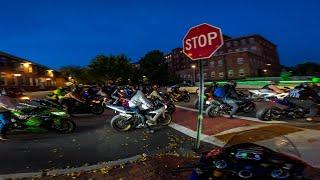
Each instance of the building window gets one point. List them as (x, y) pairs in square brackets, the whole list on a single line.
[(239, 60), (252, 41), (230, 50), (212, 63), (245, 49), (254, 48), (220, 63), (230, 73), (205, 75), (30, 69), (237, 50), (241, 73), (243, 42), (235, 43), (228, 44), (221, 74), (213, 74)]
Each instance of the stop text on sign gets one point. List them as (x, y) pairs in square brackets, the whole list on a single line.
[(201, 41)]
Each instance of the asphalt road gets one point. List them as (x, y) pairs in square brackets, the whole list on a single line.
[(94, 141)]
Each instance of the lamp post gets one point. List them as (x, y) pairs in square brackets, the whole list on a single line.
[(193, 66)]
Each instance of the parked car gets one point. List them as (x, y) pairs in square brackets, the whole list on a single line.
[(14, 92)]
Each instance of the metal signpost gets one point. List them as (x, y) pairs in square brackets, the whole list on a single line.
[(200, 43)]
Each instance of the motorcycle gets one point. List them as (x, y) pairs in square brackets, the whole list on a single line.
[(128, 119), (253, 154), (289, 111), (182, 96), (218, 108), (207, 101), (171, 108), (38, 119), (263, 94), (91, 106)]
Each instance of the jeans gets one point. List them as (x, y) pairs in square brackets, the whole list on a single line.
[(233, 104), (3, 123), (141, 117)]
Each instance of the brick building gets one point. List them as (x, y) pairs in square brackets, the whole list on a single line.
[(238, 58), (22, 73)]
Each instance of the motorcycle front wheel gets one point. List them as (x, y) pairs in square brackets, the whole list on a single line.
[(186, 98), (120, 123), (213, 111), (268, 114), (166, 120), (66, 126)]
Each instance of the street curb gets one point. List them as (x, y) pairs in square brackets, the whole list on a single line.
[(56, 172)]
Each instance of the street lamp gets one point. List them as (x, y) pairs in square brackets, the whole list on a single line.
[(193, 66)]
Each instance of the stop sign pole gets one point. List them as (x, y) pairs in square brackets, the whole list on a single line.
[(199, 44)]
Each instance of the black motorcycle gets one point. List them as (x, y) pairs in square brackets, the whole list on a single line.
[(91, 106), (182, 96), (286, 111), (218, 108)]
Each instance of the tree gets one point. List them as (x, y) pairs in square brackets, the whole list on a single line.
[(154, 68), (111, 68), (80, 74)]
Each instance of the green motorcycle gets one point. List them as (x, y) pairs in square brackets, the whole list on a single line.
[(39, 119)]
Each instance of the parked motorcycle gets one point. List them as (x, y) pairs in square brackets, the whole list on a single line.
[(182, 96), (171, 108), (218, 108), (154, 113), (38, 119)]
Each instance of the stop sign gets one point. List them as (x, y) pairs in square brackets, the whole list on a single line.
[(202, 41)]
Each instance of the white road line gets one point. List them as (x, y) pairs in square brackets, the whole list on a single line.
[(239, 129), (193, 134), (240, 117)]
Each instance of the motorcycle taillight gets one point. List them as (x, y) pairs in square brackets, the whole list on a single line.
[(214, 152)]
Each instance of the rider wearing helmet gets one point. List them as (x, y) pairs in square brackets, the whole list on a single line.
[(273, 86), (231, 96), (155, 93), (6, 103), (304, 96)]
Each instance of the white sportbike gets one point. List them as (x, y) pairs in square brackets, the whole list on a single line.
[(264, 94), (153, 113)]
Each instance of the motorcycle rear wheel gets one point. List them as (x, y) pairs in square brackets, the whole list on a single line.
[(186, 98), (117, 123), (249, 108), (166, 120), (66, 126)]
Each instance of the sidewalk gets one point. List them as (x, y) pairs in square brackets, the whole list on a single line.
[(278, 135), (155, 167)]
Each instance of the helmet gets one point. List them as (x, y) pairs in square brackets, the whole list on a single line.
[(77, 90), (305, 85), (233, 83)]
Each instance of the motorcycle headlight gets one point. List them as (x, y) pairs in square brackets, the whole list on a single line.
[(96, 101), (207, 102), (60, 113)]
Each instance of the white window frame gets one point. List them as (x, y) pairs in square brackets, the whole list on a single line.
[(220, 63), (241, 73), (230, 73), (221, 74)]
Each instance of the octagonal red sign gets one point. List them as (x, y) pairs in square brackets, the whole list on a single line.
[(202, 41)]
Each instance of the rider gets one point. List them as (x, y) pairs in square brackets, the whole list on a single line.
[(304, 96), (138, 102), (155, 93), (231, 96), (175, 92), (75, 94), (5, 103), (273, 86)]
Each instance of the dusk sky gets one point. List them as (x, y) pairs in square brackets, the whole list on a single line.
[(71, 32)]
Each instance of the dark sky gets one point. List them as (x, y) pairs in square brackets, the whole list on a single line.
[(72, 32)]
